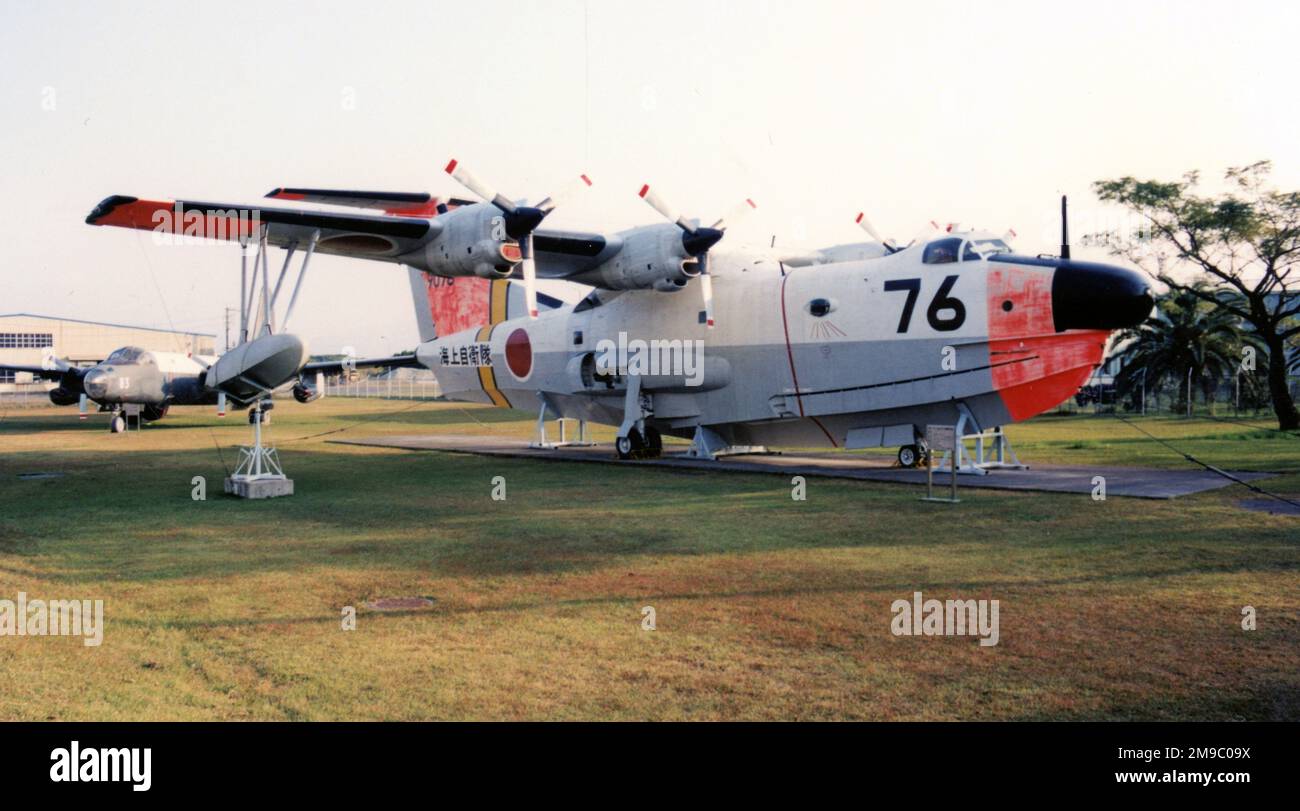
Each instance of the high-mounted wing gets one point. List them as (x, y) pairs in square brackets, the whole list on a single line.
[(405, 204), (365, 236), (380, 237), (564, 254)]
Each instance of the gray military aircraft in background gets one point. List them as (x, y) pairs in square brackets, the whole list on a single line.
[(158, 380)]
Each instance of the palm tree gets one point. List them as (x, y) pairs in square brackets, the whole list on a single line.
[(1185, 333)]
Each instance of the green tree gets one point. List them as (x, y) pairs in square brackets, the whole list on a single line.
[(1246, 242), (1185, 334)]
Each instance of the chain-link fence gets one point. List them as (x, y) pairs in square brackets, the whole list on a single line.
[(388, 388)]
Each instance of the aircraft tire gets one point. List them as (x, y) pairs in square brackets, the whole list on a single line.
[(631, 446), (909, 456), (654, 443), (117, 424)]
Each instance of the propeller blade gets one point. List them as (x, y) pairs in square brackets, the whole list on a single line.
[(582, 183), (866, 225), (927, 233), (81, 406), (735, 214), (706, 290), (669, 213), (472, 182), (1009, 235), (529, 268)]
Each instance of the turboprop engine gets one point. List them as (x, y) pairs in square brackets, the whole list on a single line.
[(659, 257), (476, 240), (64, 397)]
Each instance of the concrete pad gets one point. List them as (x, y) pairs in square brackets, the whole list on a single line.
[(1272, 506), (1131, 482), (259, 488)]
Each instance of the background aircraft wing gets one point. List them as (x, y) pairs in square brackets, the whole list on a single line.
[(333, 367), (365, 236), (37, 371)]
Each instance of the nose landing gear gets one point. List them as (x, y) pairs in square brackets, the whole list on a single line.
[(912, 456)]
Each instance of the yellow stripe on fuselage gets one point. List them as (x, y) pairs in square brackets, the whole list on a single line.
[(498, 297)]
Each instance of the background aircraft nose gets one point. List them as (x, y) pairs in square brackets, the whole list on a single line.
[(1089, 295), (95, 383)]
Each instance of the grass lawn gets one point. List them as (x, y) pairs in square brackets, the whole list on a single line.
[(766, 608)]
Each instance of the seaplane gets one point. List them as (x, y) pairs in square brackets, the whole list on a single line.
[(739, 349)]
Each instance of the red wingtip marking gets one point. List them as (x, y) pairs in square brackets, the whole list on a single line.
[(585, 179), (644, 190), (751, 203), (859, 217), (451, 167)]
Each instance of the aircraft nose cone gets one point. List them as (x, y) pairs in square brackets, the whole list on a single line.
[(1087, 295), (523, 220), (95, 383), (701, 240)]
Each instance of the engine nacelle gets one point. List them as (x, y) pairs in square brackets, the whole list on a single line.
[(473, 242), (304, 393), (64, 397), (652, 257)]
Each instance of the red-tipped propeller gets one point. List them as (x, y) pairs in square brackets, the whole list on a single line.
[(697, 241), (520, 221)]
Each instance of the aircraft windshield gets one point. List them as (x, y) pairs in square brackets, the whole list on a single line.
[(983, 248), (942, 251), (127, 354)]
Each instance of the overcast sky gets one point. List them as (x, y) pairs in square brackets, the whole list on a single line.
[(981, 113)]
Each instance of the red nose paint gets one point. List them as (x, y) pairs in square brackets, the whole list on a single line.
[(1035, 368)]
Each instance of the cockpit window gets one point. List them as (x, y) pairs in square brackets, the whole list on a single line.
[(978, 249), (942, 251), (127, 354)]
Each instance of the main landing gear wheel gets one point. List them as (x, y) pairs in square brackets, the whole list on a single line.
[(910, 456), (117, 424), (630, 446), (654, 443)]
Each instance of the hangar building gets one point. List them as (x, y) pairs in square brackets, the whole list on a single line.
[(26, 338)]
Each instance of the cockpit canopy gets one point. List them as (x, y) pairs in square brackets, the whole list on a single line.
[(969, 249), (130, 354)]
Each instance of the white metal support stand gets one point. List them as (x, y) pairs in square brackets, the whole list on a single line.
[(541, 440), (993, 450), (258, 462), (258, 474), (709, 444)]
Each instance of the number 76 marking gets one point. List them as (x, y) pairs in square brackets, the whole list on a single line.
[(941, 301)]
